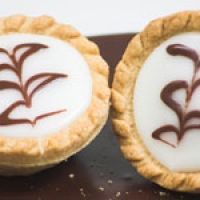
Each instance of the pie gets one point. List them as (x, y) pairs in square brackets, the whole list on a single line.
[(156, 101), (54, 94)]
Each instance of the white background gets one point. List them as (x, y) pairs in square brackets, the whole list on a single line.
[(96, 17)]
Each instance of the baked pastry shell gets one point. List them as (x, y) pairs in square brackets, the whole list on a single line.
[(22, 156), (132, 146)]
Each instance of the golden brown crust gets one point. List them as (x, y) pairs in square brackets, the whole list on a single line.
[(28, 155), (122, 94)]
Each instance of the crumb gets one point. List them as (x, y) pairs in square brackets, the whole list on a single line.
[(162, 194), (126, 193), (140, 191), (101, 189), (118, 194), (71, 176), (57, 189), (110, 181), (82, 192), (39, 198)]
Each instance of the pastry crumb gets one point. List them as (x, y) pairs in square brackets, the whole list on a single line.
[(118, 194), (110, 181), (57, 189), (126, 193), (71, 176), (101, 189), (82, 192), (162, 193), (140, 191)]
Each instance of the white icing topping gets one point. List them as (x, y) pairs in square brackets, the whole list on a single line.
[(72, 93), (150, 112)]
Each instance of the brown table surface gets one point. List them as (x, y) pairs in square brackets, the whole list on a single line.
[(100, 171)]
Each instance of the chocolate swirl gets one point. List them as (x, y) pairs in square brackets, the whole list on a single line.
[(183, 114), (23, 87)]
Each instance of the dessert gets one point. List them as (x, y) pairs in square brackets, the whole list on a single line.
[(155, 97), (53, 91)]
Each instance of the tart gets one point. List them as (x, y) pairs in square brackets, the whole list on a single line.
[(54, 93), (156, 101)]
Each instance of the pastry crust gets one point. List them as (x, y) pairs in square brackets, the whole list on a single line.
[(22, 156), (139, 48)]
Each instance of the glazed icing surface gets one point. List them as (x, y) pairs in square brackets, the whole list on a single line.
[(167, 103), (45, 84)]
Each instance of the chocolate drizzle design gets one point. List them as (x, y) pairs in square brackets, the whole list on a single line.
[(182, 112), (16, 67)]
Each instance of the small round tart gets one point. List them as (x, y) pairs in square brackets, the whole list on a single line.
[(54, 93), (156, 102)]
